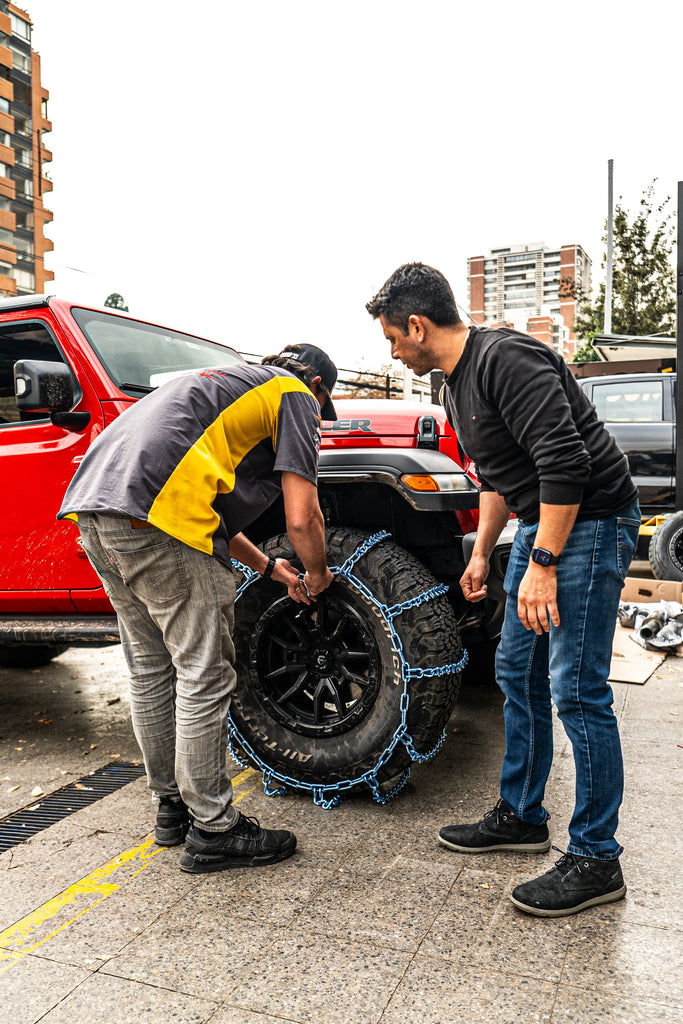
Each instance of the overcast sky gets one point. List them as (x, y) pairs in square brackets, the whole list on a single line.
[(254, 171)]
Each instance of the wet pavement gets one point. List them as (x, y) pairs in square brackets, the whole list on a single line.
[(370, 921)]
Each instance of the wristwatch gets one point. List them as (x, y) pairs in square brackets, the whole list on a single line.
[(268, 571), (544, 557)]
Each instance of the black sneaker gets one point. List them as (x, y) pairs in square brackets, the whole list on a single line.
[(499, 829), (573, 884), (246, 844), (173, 821)]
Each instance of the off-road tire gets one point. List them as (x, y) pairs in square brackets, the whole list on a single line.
[(666, 549), (347, 739), (29, 655)]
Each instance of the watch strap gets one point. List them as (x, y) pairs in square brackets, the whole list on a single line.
[(268, 571), (544, 557)]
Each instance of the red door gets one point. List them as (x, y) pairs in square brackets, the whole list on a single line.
[(41, 560)]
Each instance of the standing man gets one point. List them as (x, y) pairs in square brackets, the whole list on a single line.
[(161, 498), (542, 454)]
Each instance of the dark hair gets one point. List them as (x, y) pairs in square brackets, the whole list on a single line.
[(301, 370), (418, 289)]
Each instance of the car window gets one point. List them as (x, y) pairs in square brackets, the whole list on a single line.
[(629, 401), (139, 356), (27, 339)]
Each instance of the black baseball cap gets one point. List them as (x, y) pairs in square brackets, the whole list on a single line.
[(324, 368)]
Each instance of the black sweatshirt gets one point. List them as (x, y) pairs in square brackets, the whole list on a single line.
[(531, 430)]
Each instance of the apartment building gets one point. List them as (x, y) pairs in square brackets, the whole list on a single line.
[(24, 180), (531, 287)]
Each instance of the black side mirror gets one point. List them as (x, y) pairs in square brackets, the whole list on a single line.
[(44, 387), (40, 386)]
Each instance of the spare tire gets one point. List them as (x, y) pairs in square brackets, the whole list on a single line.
[(666, 548), (320, 687)]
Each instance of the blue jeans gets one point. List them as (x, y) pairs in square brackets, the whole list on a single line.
[(571, 665), (175, 607)]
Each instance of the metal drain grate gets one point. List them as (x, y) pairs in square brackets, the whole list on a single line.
[(21, 825)]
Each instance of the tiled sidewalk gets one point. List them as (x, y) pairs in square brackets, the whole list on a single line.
[(371, 921)]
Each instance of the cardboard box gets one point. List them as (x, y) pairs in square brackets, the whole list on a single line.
[(644, 591), (631, 663)]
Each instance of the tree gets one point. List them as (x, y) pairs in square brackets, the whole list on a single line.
[(643, 282), (116, 301), (586, 353)]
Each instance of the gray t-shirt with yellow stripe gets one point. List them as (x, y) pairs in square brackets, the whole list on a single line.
[(200, 458)]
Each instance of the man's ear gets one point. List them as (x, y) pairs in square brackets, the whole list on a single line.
[(416, 327), (315, 383)]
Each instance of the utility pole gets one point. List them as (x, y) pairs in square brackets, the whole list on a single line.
[(679, 348), (610, 239), (407, 383)]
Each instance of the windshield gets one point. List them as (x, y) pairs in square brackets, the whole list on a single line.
[(139, 357)]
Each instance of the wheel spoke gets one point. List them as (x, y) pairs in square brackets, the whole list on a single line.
[(283, 670), (351, 677), (325, 687), (338, 631), (278, 640), (298, 630), (321, 619), (296, 688)]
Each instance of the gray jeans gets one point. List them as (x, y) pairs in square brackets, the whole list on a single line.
[(175, 607)]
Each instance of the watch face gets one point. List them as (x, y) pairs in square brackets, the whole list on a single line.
[(541, 556)]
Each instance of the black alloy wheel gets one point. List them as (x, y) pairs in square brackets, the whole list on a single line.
[(317, 667)]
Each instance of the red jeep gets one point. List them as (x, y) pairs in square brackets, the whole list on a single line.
[(349, 690)]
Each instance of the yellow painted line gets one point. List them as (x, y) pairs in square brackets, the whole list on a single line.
[(238, 783), (32, 931), (53, 917)]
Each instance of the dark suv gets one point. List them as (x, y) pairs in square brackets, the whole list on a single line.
[(639, 410)]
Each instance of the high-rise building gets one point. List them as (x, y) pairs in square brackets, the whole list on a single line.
[(24, 180), (532, 287)]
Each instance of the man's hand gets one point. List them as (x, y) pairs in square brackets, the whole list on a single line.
[(537, 596), (537, 599), (317, 582), (301, 592), (284, 572), (472, 581), (493, 515)]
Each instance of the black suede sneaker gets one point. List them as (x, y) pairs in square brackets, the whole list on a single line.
[(173, 821), (573, 884), (499, 829), (246, 844)]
